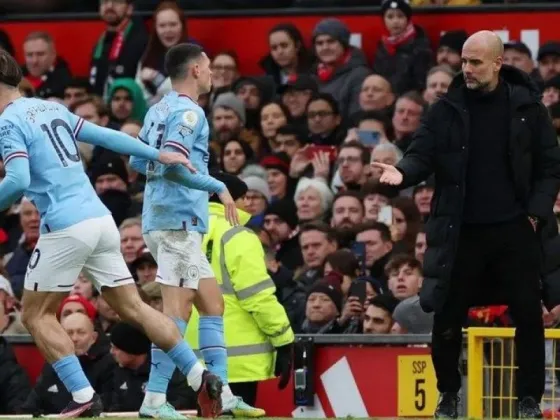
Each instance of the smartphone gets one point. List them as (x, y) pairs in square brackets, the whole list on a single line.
[(359, 250), (385, 215), (314, 149), (358, 289), (369, 138)]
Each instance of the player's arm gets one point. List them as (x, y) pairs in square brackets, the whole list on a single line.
[(185, 126), (137, 163), (16, 165), (112, 140)]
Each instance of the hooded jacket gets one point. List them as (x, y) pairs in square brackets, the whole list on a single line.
[(139, 105)]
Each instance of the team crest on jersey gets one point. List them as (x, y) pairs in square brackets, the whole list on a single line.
[(190, 119)]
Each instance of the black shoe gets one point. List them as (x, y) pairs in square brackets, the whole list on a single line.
[(92, 408), (209, 396), (529, 409), (447, 406)]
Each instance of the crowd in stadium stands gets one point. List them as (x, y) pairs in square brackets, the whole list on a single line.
[(42, 6), (344, 251)]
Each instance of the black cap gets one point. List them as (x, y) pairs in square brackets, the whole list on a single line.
[(129, 339), (454, 40), (113, 166), (299, 82), (554, 82), (518, 46), (402, 5), (549, 48), (286, 210), (143, 256), (235, 185)]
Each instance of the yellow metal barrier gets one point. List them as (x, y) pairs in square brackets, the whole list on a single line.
[(491, 367)]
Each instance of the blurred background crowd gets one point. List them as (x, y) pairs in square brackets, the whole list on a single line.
[(344, 251)]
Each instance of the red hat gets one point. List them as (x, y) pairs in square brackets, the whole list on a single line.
[(91, 312)]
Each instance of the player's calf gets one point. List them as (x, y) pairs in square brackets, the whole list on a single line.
[(53, 342)]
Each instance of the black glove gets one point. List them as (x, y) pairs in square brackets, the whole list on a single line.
[(284, 363)]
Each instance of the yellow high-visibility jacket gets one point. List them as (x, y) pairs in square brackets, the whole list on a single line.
[(254, 321)]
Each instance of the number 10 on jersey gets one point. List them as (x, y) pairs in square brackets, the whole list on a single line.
[(417, 387)]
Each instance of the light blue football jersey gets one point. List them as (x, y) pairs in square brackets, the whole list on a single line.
[(177, 123), (45, 133)]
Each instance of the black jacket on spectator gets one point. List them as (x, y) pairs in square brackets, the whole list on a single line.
[(129, 388), (291, 295), (14, 383), (408, 67), (441, 145), (377, 270), (54, 81), (289, 254), (49, 394), (103, 69)]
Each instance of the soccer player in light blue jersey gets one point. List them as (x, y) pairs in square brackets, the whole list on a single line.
[(42, 162), (174, 219)]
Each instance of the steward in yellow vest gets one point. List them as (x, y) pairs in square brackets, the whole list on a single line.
[(258, 335)]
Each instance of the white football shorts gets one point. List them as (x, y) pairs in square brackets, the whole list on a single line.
[(92, 246), (179, 256)]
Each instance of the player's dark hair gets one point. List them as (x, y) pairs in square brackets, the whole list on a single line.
[(10, 72), (178, 57)]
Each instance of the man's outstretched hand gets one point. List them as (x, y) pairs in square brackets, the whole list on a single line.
[(390, 175), (172, 158)]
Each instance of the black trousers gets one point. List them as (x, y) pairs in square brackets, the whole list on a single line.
[(245, 390), (509, 255)]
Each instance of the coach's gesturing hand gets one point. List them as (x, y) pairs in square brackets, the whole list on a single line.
[(389, 174), (172, 158), (230, 207)]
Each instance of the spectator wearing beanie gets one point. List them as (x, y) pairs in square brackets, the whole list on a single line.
[(228, 123), (518, 55), (255, 92), (256, 199), (450, 48), (403, 55), (110, 179), (322, 309), (551, 93), (131, 350), (144, 267), (280, 184), (341, 68), (280, 222), (296, 94), (49, 395), (76, 303)]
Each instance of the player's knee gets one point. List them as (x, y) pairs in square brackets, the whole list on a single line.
[(213, 307)]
